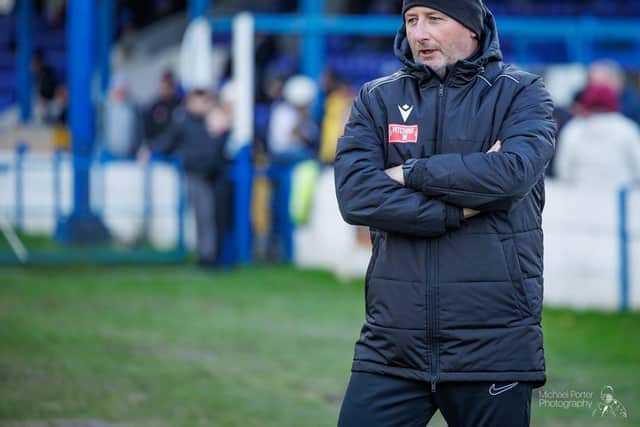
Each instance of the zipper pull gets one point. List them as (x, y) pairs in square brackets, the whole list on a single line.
[(433, 385)]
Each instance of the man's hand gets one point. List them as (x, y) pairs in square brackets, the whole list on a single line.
[(396, 173), (495, 147), (468, 213)]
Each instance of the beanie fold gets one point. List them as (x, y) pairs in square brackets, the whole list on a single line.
[(469, 13)]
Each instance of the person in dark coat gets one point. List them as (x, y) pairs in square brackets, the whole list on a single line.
[(444, 161), (202, 154), (158, 117), (45, 83)]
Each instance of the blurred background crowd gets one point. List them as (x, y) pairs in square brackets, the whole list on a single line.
[(148, 112)]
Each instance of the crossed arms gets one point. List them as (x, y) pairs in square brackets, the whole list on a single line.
[(440, 187)]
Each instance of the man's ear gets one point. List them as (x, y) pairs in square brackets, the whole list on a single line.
[(474, 35)]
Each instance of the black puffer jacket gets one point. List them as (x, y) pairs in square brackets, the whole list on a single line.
[(449, 299)]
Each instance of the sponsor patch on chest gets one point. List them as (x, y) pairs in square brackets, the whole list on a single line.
[(403, 134)]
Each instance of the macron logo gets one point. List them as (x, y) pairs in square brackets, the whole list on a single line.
[(405, 111), (494, 391)]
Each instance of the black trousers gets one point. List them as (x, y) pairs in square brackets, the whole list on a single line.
[(382, 401)]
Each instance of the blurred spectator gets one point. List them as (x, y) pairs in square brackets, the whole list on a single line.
[(273, 82), (44, 83), (122, 127), (609, 73), (196, 137), (601, 148), (337, 106), (292, 132), (55, 12), (561, 116), (266, 67), (158, 117), (292, 138), (58, 113), (266, 51), (220, 124), (59, 106)]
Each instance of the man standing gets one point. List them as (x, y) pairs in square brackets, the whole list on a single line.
[(200, 148), (158, 117), (444, 161)]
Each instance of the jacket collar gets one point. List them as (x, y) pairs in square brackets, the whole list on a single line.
[(461, 72)]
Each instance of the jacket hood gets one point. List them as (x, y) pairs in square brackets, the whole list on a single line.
[(489, 51)]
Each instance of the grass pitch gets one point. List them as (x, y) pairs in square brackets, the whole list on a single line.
[(173, 346)]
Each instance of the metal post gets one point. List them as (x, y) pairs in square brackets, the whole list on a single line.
[(624, 249), (582, 42), (21, 151), (81, 115), (242, 133), (198, 8), (23, 58), (57, 186), (182, 207), (313, 44), (286, 224), (243, 46), (147, 197), (107, 17), (82, 226), (242, 204)]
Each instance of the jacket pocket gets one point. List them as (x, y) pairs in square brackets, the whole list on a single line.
[(396, 304), (515, 274), (375, 242)]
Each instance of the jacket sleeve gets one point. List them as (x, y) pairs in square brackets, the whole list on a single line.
[(367, 196), (495, 181), (168, 140)]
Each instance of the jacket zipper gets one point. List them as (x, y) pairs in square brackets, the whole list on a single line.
[(430, 327), (431, 282)]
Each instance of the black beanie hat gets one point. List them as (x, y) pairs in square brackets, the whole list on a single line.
[(469, 13)]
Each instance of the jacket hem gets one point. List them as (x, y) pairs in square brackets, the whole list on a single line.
[(536, 378)]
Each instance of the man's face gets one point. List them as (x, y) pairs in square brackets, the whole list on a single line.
[(436, 39)]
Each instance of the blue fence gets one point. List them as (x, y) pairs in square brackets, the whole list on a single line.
[(623, 207), (102, 253)]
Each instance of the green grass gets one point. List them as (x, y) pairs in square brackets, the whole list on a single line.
[(43, 250), (173, 346), (30, 242)]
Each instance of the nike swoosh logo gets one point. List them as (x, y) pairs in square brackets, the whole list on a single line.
[(405, 113), (494, 391)]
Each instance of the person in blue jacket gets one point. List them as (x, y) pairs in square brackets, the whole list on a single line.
[(444, 161)]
